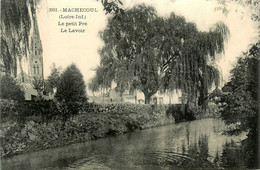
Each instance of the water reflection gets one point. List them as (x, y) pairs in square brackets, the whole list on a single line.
[(232, 156), (193, 144)]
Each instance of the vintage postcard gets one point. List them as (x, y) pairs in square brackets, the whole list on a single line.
[(129, 84)]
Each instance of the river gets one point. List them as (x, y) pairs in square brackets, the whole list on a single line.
[(199, 143)]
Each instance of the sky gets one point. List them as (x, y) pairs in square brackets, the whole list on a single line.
[(64, 48)]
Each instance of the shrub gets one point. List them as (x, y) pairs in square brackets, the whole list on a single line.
[(180, 112), (10, 89), (20, 111)]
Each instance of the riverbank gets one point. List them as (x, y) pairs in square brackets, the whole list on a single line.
[(18, 138), (194, 144), (96, 121)]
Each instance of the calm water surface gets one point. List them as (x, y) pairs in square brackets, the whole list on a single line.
[(199, 143)]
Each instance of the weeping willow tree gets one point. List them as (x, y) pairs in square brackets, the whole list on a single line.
[(105, 73), (193, 69), (150, 53), (163, 53)]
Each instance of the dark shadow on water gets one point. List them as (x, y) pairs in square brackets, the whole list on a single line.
[(180, 112), (232, 156)]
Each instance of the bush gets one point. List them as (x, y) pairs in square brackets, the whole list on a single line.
[(180, 112), (10, 89), (20, 111)]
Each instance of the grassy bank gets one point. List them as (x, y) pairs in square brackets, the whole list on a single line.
[(32, 135), (30, 127)]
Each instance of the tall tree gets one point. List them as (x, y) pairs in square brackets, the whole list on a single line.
[(71, 91), (195, 70), (151, 52), (128, 44), (240, 104)]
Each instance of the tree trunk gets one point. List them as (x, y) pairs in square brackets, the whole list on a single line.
[(203, 97), (147, 98)]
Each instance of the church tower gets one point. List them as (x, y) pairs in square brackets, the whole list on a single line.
[(30, 64), (33, 66), (35, 53)]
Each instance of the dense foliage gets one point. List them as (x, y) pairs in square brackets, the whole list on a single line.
[(71, 91), (31, 135), (20, 111), (10, 89), (147, 52), (70, 96), (239, 101)]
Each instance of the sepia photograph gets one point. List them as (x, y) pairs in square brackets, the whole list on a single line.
[(129, 84)]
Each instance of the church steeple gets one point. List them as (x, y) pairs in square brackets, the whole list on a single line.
[(35, 53)]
